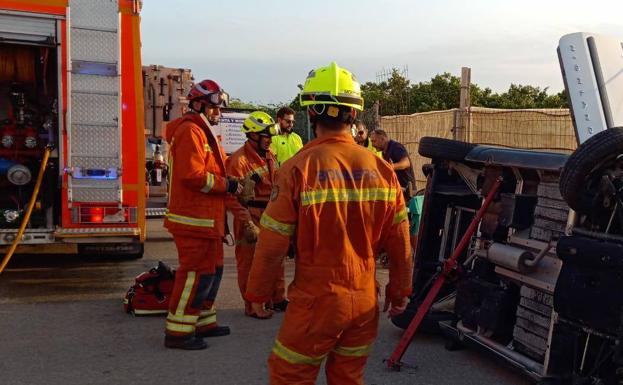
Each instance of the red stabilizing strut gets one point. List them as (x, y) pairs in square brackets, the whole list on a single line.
[(393, 362)]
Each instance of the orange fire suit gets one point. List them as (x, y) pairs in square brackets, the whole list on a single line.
[(242, 163), (196, 218), (343, 204)]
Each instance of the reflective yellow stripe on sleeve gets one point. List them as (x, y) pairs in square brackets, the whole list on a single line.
[(295, 358), (276, 226), (201, 222), (347, 195), (259, 171), (209, 183), (401, 216), (170, 179), (356, 351)]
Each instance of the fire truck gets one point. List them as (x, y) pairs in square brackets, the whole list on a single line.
[(71, 127)]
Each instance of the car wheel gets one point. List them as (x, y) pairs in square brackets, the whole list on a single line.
[(581, 178)]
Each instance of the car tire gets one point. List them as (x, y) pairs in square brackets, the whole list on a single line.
[(587, 158), (431, 147)]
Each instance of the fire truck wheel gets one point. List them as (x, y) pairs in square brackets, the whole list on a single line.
[(449, 149), (581, 178)]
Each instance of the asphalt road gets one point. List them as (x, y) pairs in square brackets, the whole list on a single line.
[(61, 322)]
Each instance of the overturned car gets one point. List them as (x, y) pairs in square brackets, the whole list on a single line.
[(540, 283)]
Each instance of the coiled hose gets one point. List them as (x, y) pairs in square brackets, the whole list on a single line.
[(31, 204)]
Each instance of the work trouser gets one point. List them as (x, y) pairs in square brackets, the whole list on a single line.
[(340, 328), (244, 259), (197, 281)]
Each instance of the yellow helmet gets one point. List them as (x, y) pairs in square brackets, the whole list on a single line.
[(261, 123), (332, 85)]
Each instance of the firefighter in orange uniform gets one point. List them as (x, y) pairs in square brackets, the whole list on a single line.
[(255, 163), (342, 204), (198, 190)]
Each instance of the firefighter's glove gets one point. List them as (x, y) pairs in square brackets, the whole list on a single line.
[(250, 232), (234, 186), (395, 304), (248, 189)]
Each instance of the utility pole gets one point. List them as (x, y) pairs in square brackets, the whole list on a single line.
[(376, 115), (463, 119)]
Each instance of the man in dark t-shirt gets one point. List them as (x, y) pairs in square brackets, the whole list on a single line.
[(398, 156)]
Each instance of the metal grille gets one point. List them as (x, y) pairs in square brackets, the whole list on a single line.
[(94, 109), (155, 212), (96, 162), (90, 83), (98, 14), (83, 191), (97, 46), (97, 230)]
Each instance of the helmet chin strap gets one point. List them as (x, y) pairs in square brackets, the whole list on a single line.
[(202, 110), (260, 151)]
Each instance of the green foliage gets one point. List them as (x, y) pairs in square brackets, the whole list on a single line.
[(239, 104), (398, 96), (270, 109)]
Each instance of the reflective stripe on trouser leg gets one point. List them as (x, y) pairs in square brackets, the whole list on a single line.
[(345, 365), (347, 360), (196, 259), (284, 372), (179, 320), (206, 318)]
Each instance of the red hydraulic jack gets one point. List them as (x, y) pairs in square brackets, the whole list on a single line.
[(449, 265)]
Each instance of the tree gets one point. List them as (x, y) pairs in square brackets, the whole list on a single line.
[(398, 96), (239, 104), (270, 109), (392, 94), (440, 93)]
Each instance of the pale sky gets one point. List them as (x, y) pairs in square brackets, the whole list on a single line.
[(260, 50)]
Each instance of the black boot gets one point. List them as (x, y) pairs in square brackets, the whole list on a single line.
[(218, 331), (280, 306), (185, 343)]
